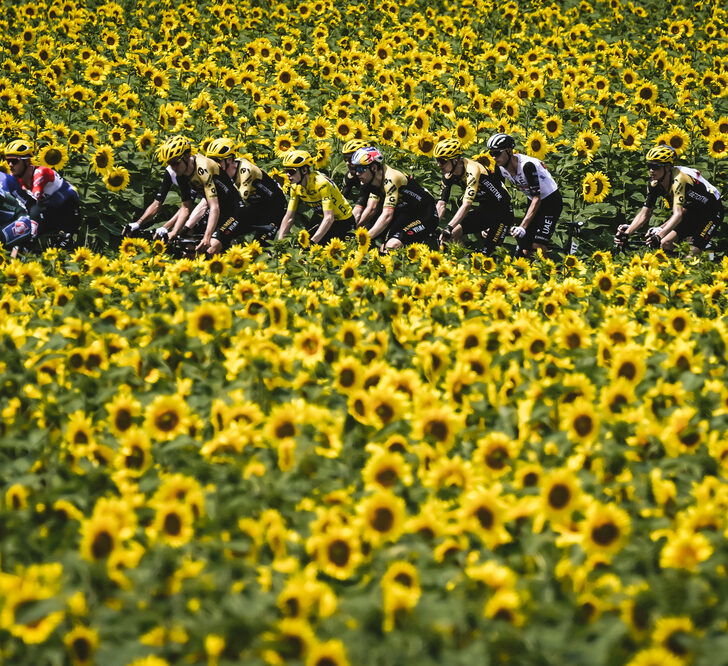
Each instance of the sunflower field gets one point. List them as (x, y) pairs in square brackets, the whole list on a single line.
[(324, 456)]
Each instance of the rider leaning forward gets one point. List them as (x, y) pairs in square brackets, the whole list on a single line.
[(697, 210)]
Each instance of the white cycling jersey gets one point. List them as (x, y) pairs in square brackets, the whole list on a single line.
[(545, 180)]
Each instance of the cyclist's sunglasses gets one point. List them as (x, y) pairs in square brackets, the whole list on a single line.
[(173, 163), (361, 168), (12, 161), (292, 171), (443, 160), (495, 153)]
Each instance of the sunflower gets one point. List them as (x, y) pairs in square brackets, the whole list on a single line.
[(676, 138), (586, 144), (166, 417), (208, 320), (674, 634), (338, 551), (116, 179), (717, 146), (685, 550), (20, 603), (560, 495), (495, 453), (146, 141), (605, 528), (655, 656), (464, 132), (421, 144), (122, 410), (81, 643), (630, 139), (390, 134), (54, 157), (16, 497), (438, 424), (328, 653), (595, 187), (382, 517), (645, 93), (135, 455), (173, 524), (482, 512), (537, 145), (553, 126), (580, 420), (320, 129), (100, 536), (103, 159)]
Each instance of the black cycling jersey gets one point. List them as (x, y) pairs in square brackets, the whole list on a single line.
[(185, 191)]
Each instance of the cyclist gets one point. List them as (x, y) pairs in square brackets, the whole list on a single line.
[(409, 213), (530, 176), (204, 175), (485, 208), (187, 196), (697, 210), (262, 202), (331, 217), (351, 182), (51, 201), (15, 225)]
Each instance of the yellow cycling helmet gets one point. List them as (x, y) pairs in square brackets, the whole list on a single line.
[(219, 149), (353, 145), (173, 148), (661, 155), (296, 158), (447, 149), (19, 148)]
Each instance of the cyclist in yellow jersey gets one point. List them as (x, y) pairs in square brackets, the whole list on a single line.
[(409, 213), (203, 175), (262, 202), (697, 210), (332, 216), (485, 210)]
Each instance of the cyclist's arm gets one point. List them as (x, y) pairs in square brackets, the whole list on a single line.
[(287, 221), (150, 212), (324, 226), (641, 218), (471, 190), (445, 189), (197, 214), (286, 224), (368, 211), (180, 217), (212, 219), (645, 213), (392, 184), (383, 221)]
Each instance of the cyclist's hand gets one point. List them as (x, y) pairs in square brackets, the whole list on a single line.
[(445, 235), (162, 233), (203, 245), (130, 229), (653, 237), (518, 232), (621, 236)]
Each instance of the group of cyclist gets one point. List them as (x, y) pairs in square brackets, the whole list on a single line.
[(238, 200)]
